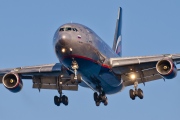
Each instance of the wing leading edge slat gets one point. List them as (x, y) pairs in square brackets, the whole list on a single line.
[(31, 70)]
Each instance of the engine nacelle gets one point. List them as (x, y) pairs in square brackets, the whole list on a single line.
[(166, 68), (12, 82)]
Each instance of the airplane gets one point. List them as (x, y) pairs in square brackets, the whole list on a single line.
[(86, 60)]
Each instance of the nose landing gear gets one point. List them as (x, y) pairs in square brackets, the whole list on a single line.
[(75, 77)]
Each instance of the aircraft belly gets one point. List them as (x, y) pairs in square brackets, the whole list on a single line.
[(109, 82), (106, 81), (90, 64)]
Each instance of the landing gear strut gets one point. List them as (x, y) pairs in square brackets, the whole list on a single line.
[(75, 77), (100, 98), (62, 98), (136, 92)]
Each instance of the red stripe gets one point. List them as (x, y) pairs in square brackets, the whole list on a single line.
[(86, 58)]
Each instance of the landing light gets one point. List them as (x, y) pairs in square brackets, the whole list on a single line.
[(70, 49), (133, 76), (63, 50), (63, 36)]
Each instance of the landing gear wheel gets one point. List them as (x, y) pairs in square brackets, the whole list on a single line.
[(97, 103), (101, 97), (140, 93), (79, 78), (131, 94), (103, 93), (106, 102), (72, 79), (65, 100), (57, 100), (95, 96)]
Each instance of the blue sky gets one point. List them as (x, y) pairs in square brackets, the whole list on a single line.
[(149, 28)]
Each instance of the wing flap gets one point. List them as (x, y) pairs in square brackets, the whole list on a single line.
[(50, 82), (45, 79), (143, 73), (54, 87), (128, 82), (45, 86), (142, 76)]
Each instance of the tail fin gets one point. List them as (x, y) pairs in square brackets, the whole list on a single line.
[(117, 45)]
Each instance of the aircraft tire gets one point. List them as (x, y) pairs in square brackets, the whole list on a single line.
[(103, 93), (65, 100), (95, 96), (131, 94), (57, 100), (98, 103), (106, 102), (103, 96), (140, 93)]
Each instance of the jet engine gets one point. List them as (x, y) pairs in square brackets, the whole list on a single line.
[(12, 82), (166, 68)]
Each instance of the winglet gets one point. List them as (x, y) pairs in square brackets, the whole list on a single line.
[(117, 45)]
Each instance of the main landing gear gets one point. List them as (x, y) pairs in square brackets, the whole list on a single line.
[(62, 99), (100, 98), (136, 92), (74, 80)]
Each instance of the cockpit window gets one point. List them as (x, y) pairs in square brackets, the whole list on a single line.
[(74, 29), (68, 29), (61, 29)]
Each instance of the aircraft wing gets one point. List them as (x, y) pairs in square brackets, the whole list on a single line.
[(143, 67), (43, 76)]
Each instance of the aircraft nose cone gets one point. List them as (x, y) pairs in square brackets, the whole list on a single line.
[(64, 39)]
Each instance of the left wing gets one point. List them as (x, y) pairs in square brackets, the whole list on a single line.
[(46, 76), (145, 68)]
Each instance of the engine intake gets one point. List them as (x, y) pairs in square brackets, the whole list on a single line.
[(12, 82), (166, 68)]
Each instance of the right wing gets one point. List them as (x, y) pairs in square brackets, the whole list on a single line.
[(144, 67)]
